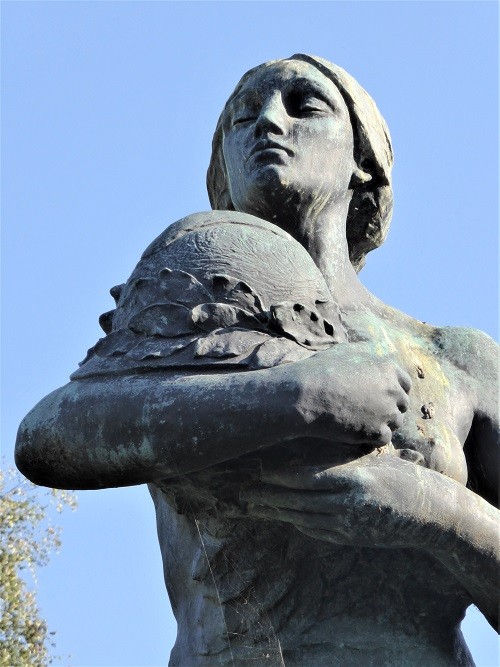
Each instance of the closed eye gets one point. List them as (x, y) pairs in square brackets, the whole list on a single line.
[(306, 108), (244, 119), (300, 103), (314, 106)]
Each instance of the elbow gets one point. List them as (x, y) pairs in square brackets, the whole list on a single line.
[(24, 454), (35, 454), (40, 453)]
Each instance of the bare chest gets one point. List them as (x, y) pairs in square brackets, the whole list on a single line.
[(440, 413)]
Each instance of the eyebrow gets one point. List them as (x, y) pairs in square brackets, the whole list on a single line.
[(305, 82), (300, 83), (244, 96), (317, 88)]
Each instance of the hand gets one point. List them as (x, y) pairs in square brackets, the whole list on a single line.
[(350, 394), (375, 501)]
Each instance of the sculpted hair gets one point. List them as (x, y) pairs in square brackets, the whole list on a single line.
[(370, 210)]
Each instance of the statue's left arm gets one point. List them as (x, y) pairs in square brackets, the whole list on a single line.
[(482, 447), (386, 500)]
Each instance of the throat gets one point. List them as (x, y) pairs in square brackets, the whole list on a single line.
[(323, 235), (331, 256)]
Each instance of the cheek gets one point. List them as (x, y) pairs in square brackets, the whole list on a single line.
[(326, 155), (227, 154), (233, 155), (233, 151), (325, 138), (232, 161)]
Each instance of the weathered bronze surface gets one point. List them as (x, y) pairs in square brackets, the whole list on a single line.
[(324, 467)]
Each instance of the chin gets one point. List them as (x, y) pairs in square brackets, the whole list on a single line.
[(270, 190)]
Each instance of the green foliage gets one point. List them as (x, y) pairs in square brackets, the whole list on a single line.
[(27, 539)]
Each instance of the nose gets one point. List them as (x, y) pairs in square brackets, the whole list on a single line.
[(272, 116)]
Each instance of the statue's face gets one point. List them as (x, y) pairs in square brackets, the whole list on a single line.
[(287, 137)]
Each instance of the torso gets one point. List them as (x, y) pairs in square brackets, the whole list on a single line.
[(258, 592), (262, 593)]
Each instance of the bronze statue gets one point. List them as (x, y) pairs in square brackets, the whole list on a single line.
[(324, 467)]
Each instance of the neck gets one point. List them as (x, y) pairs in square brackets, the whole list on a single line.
[(323, 234)]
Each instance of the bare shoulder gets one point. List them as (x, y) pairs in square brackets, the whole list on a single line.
[(477, 355), (468, 349)]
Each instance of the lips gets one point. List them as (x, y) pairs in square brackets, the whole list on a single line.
[(266, 145)]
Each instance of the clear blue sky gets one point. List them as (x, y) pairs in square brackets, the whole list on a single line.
[(107, 115)]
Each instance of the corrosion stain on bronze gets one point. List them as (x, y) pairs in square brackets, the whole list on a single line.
[(427, 410)]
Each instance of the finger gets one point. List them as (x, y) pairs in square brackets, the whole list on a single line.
[(325, 535), (323, 503), (396, 422), (292, 478), (309, 478), (403, 403), (412, 456), (404, 380), (385, 434), (304, 522)]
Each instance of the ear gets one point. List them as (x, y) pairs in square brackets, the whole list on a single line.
[(359, 177)]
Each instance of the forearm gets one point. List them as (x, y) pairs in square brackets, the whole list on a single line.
[(467, 544), (130, 430), (381, 500), (102, 432)]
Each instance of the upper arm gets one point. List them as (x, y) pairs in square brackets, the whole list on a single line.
[(179, 314), (476, 354), (483, 459)]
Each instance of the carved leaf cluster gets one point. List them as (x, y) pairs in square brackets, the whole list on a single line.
[(173, 320)]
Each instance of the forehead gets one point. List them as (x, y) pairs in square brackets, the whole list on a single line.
[(285, 73)]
